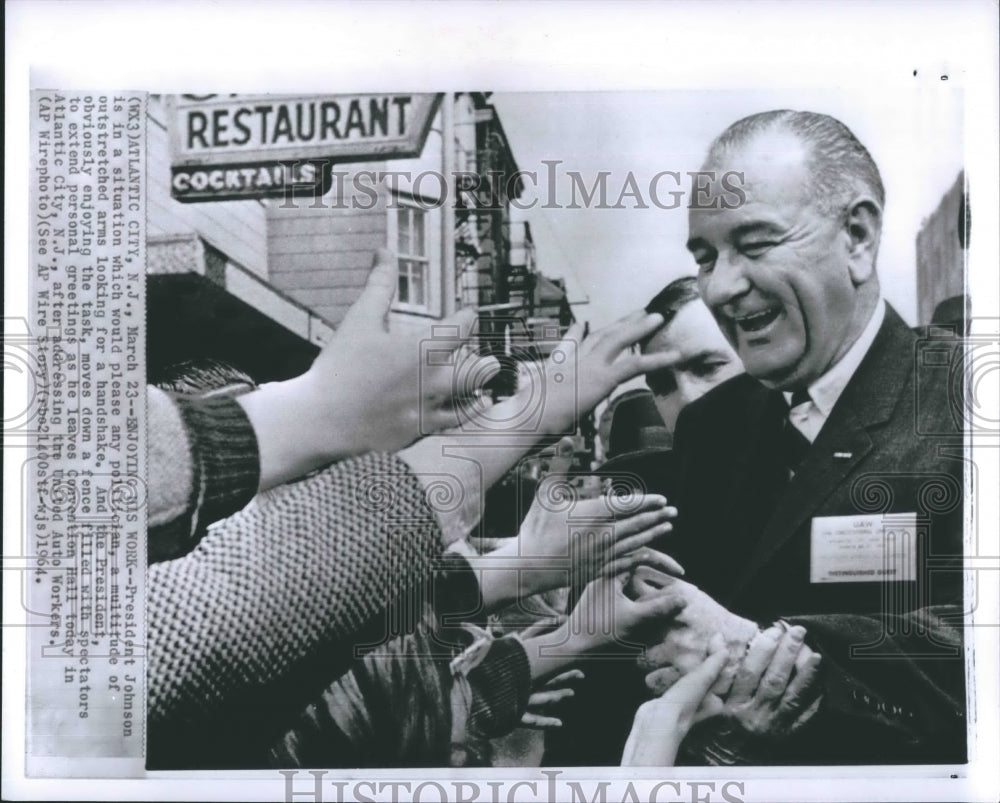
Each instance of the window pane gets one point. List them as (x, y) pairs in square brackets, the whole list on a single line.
[(403, 223), (417, 285), (404, 284), (419, 225)]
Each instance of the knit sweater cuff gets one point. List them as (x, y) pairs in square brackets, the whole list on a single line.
[(225, 457), (501, 686)]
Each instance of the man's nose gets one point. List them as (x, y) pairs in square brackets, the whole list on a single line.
[(727, 281)]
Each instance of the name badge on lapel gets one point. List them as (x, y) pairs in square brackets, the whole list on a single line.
[(863, 549)]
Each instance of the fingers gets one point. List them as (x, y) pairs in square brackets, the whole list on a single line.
[(724, 682), (549, 696), (665, 605), (801, 686), (653, 361), (712, 705), (487, 544), (645, 556), (779, 670), (565, 677), (539, 722), (632, 542), (573, 338), (748, 676), (691, 689), (605, 508), (628, 330), (659, 680), (375, 300), (641, 522), (646, 581)]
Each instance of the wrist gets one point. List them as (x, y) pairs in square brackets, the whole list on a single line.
[(559, 410), (292, 440), (553, 652), (504, 578)]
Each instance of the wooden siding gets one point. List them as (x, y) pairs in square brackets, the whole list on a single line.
[(322, 257)]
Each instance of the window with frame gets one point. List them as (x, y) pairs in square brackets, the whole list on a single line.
[(412, 249)]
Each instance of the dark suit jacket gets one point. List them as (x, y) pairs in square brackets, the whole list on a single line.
[(893, 684)]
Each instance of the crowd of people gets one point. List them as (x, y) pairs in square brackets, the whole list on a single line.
[(317, 595)]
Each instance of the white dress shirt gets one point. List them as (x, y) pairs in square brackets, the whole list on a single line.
[(809, 417)]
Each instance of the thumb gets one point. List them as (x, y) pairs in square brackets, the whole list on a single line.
[(574, 336), (664, 605), (690, 690), (373, 304)]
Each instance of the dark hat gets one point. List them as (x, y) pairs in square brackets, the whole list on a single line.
[(639, 448), (636, 426)]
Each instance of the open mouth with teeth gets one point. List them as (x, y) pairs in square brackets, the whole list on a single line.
[(757, 320)]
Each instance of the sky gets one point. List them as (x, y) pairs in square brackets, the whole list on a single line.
[(619, 258)]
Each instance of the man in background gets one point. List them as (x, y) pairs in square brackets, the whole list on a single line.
[(702, 356)]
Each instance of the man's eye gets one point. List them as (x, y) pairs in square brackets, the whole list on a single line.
[(757, 249), (710, 368), (705, 261)]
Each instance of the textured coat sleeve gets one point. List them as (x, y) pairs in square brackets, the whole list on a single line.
[(893, 689), (273, 602), (393, 708)]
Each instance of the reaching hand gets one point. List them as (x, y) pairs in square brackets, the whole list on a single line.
[(661, 724), (581, 538), (582, 370), (565, 541), (683, 640), (367, 390), (604, 617), (556, 690)]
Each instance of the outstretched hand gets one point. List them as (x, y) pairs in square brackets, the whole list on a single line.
[(583, 369), (582, 538), (367, 390), (661, 724)]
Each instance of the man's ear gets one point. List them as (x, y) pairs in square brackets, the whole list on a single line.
[(863, 223)]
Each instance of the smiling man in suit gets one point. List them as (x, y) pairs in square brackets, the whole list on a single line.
[(823, 488)]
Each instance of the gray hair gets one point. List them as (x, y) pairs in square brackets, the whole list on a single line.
[(840, 165)]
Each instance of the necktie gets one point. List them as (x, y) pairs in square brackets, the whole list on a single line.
[(794, 444)]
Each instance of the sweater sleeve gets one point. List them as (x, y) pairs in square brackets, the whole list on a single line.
[(203, 466), (278, 599)]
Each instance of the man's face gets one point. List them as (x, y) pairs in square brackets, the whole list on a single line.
[(703, 359), (775, 272)]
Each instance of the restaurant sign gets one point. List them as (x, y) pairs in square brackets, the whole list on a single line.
[(226, 147)]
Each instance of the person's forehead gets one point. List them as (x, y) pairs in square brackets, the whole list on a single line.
[(774, 177), (692, 332)]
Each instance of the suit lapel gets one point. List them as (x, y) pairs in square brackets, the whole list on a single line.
[(845, 440)]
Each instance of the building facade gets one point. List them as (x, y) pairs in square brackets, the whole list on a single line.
[(941, 253), (264, 283)]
